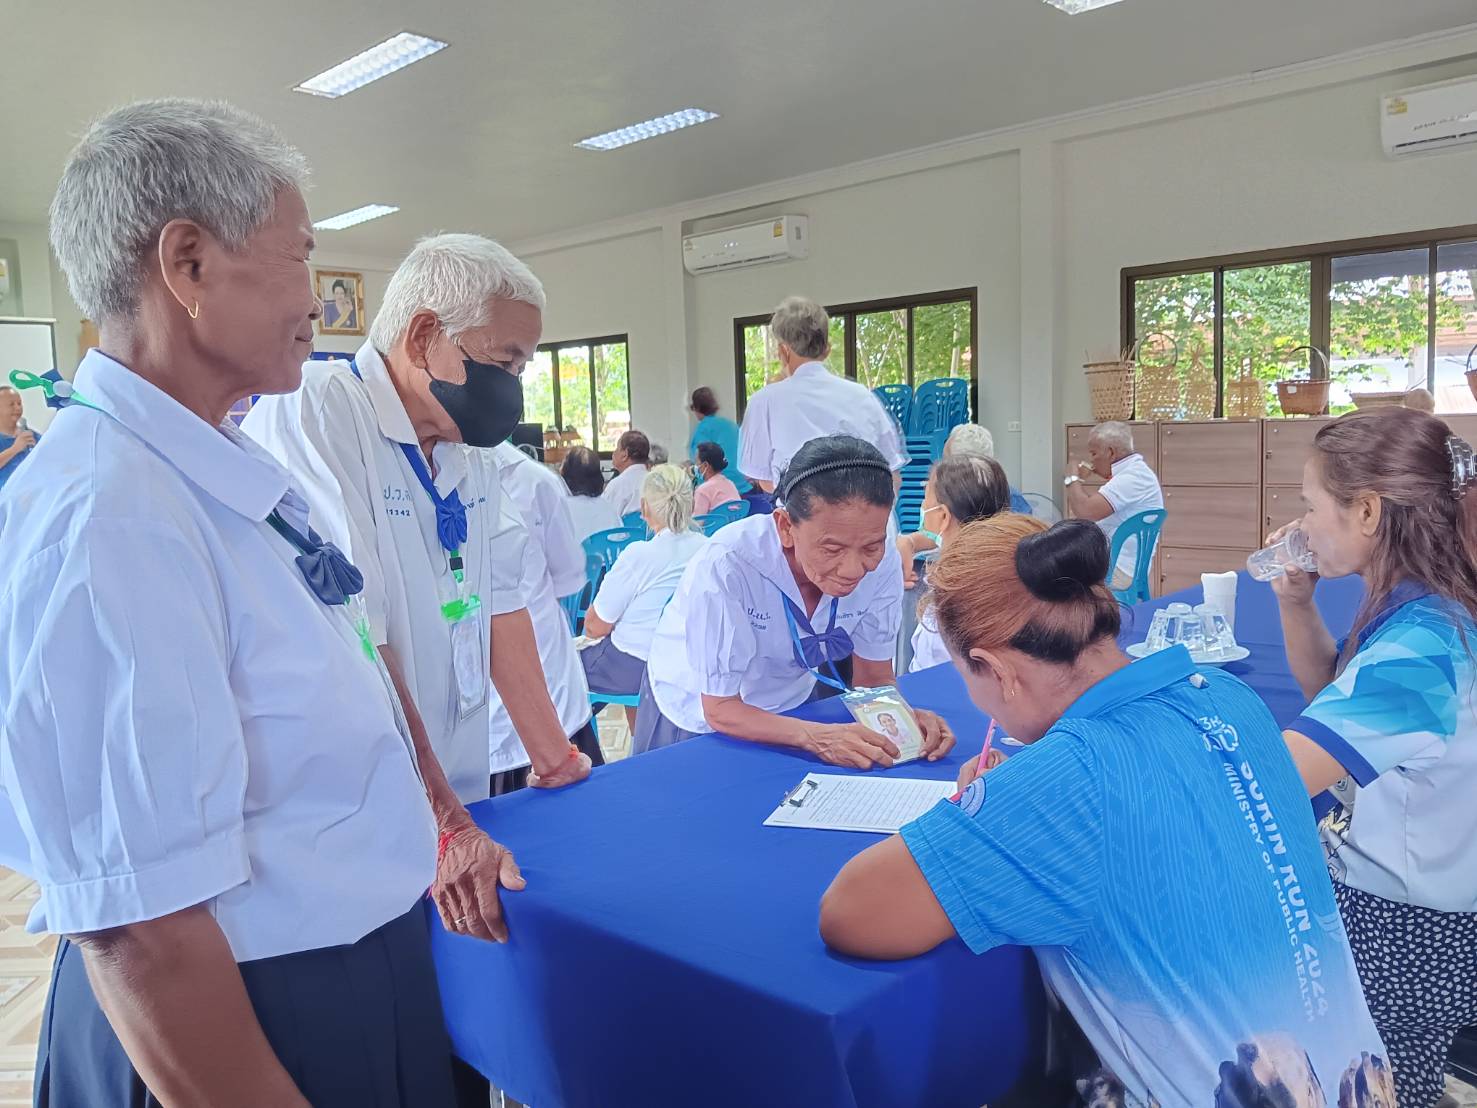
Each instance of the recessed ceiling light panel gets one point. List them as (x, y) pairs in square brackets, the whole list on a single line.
[(636, 132), (357, 216), (1077, 7), (376, 62)]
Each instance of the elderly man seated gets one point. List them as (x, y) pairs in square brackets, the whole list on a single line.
[(1131, 488)]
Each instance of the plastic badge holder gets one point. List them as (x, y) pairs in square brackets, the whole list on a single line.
[(884, 711)]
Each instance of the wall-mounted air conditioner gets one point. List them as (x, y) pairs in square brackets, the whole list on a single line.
[(773, 240), (1419, 120)]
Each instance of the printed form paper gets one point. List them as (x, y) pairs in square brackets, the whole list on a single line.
[(880, 805)]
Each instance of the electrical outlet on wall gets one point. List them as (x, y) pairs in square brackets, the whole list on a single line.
[(1014, 425)]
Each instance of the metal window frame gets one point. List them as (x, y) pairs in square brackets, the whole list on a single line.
[(553, 348)]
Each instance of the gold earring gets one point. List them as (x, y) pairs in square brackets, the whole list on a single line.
[(195, 310)]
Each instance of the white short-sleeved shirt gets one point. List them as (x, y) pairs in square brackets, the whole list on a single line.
[(553, 566), (809, 404), (182, 721), (623, 493), (591, 515), (1400, 718), (928, 646), (639, 585), (1132, 489), (341, 437), (725, 633)]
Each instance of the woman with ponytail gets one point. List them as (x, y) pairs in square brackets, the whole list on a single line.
[(1391, 727), (1152, 843)]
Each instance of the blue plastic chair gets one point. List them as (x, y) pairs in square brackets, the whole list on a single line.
[(633, 521), (607, 545), (941, 403), (919, 448), (898, 400), (1035, 504), (1144, 527), (721, 516), (576, 604), (909, 507)]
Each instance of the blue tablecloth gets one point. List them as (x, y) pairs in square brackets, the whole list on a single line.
[(665, 951)]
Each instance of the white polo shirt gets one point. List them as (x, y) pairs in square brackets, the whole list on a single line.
[(725, 632), (809, 404), (182, 721), (1132, 489), (638, 586), (928, 646), (340, 437), (624, 491), (553, 566)]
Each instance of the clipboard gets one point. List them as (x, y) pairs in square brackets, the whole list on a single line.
[(871, 805)]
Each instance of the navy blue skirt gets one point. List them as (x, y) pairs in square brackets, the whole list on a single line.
[(355, 1027)]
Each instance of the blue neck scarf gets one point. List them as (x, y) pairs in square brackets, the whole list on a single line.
[(812, 650)]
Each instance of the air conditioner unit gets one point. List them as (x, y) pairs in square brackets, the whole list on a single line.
[(774, 240), (1422, 119)]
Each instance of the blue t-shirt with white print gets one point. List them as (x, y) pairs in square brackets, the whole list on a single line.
[(1157, 849)]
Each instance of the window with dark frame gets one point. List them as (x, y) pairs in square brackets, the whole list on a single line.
[(583, 385), (1391, 313), (903, 340)]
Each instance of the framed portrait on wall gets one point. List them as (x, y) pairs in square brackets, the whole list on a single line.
[(342, 293)]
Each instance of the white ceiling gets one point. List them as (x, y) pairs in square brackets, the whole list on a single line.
[(479, 137)]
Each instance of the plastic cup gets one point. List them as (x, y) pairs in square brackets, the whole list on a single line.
[(1291, 550)]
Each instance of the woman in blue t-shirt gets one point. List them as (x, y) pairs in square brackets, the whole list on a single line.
[(712, 427), (1391, 727), (1152, 843)]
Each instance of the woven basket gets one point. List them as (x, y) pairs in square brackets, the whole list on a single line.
[(1157, 389), (1110, 384), (1307, 396), (1246, 395), (558, 444), (1384, 399), (1199, 385)]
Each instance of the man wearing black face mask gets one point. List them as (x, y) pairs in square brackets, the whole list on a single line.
[(390, 450)]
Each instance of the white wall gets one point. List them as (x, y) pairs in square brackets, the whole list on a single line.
[(948, 228), (1295, 170), (1041, 220), (614, 287)]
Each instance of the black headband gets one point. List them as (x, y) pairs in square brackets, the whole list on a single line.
[(826, 467)]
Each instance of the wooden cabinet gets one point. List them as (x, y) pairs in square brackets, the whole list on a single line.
[(1223, 452), (1181, 567), (1213, 515), (1286, 446), (1280, 504)]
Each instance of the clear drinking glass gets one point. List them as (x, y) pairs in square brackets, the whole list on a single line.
[(1219, 639), (1158, 632), (1272, 561), (1191, 634)]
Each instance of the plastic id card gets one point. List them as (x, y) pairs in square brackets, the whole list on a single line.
[(469, 655), (884, 711)]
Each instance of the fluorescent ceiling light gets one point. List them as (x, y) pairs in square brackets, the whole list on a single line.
[(1077, 7), (374, 63), (624, 136), (358, 215)]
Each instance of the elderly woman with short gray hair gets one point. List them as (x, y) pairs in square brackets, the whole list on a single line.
[(202, 758)]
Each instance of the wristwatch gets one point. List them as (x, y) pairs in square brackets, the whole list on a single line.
[(1073, 479)]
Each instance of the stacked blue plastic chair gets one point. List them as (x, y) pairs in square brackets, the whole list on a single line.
[(910, 495), (898, 400), (721, 516), (1144, 527), (940, 403)]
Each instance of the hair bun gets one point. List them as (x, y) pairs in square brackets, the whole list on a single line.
[(1063, 562)]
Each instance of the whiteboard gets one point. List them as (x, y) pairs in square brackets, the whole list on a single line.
[(29, 344)]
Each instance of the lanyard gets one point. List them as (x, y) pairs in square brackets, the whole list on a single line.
[(451, 527), (796, 618)]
